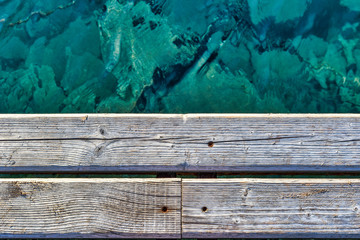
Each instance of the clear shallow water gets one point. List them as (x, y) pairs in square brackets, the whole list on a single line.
[(176, 56)]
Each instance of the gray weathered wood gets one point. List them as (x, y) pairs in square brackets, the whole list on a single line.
[(271, 208), (155, 142), (119, 208)]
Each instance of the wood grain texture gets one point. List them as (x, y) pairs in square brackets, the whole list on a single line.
[(271, 208), (96, 208), (191, 142)]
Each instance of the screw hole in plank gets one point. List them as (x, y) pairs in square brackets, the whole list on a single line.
[(164, 209)]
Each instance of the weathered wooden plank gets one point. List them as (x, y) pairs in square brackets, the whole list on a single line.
[(191, 142), (271, 208), (83, 208)]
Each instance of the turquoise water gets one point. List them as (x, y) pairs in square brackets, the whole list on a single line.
[(179, 56)]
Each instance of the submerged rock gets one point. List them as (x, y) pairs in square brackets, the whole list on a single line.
[(351, 4)]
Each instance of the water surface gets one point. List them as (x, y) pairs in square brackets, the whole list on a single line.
[(179, 56)]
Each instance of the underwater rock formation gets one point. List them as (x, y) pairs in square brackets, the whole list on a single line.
[(179, 56)]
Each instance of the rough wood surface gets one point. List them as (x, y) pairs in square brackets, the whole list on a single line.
[(271, 208), (192, 142), (116, 208)]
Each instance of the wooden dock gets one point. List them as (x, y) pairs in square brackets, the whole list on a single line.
[(169, 146)]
